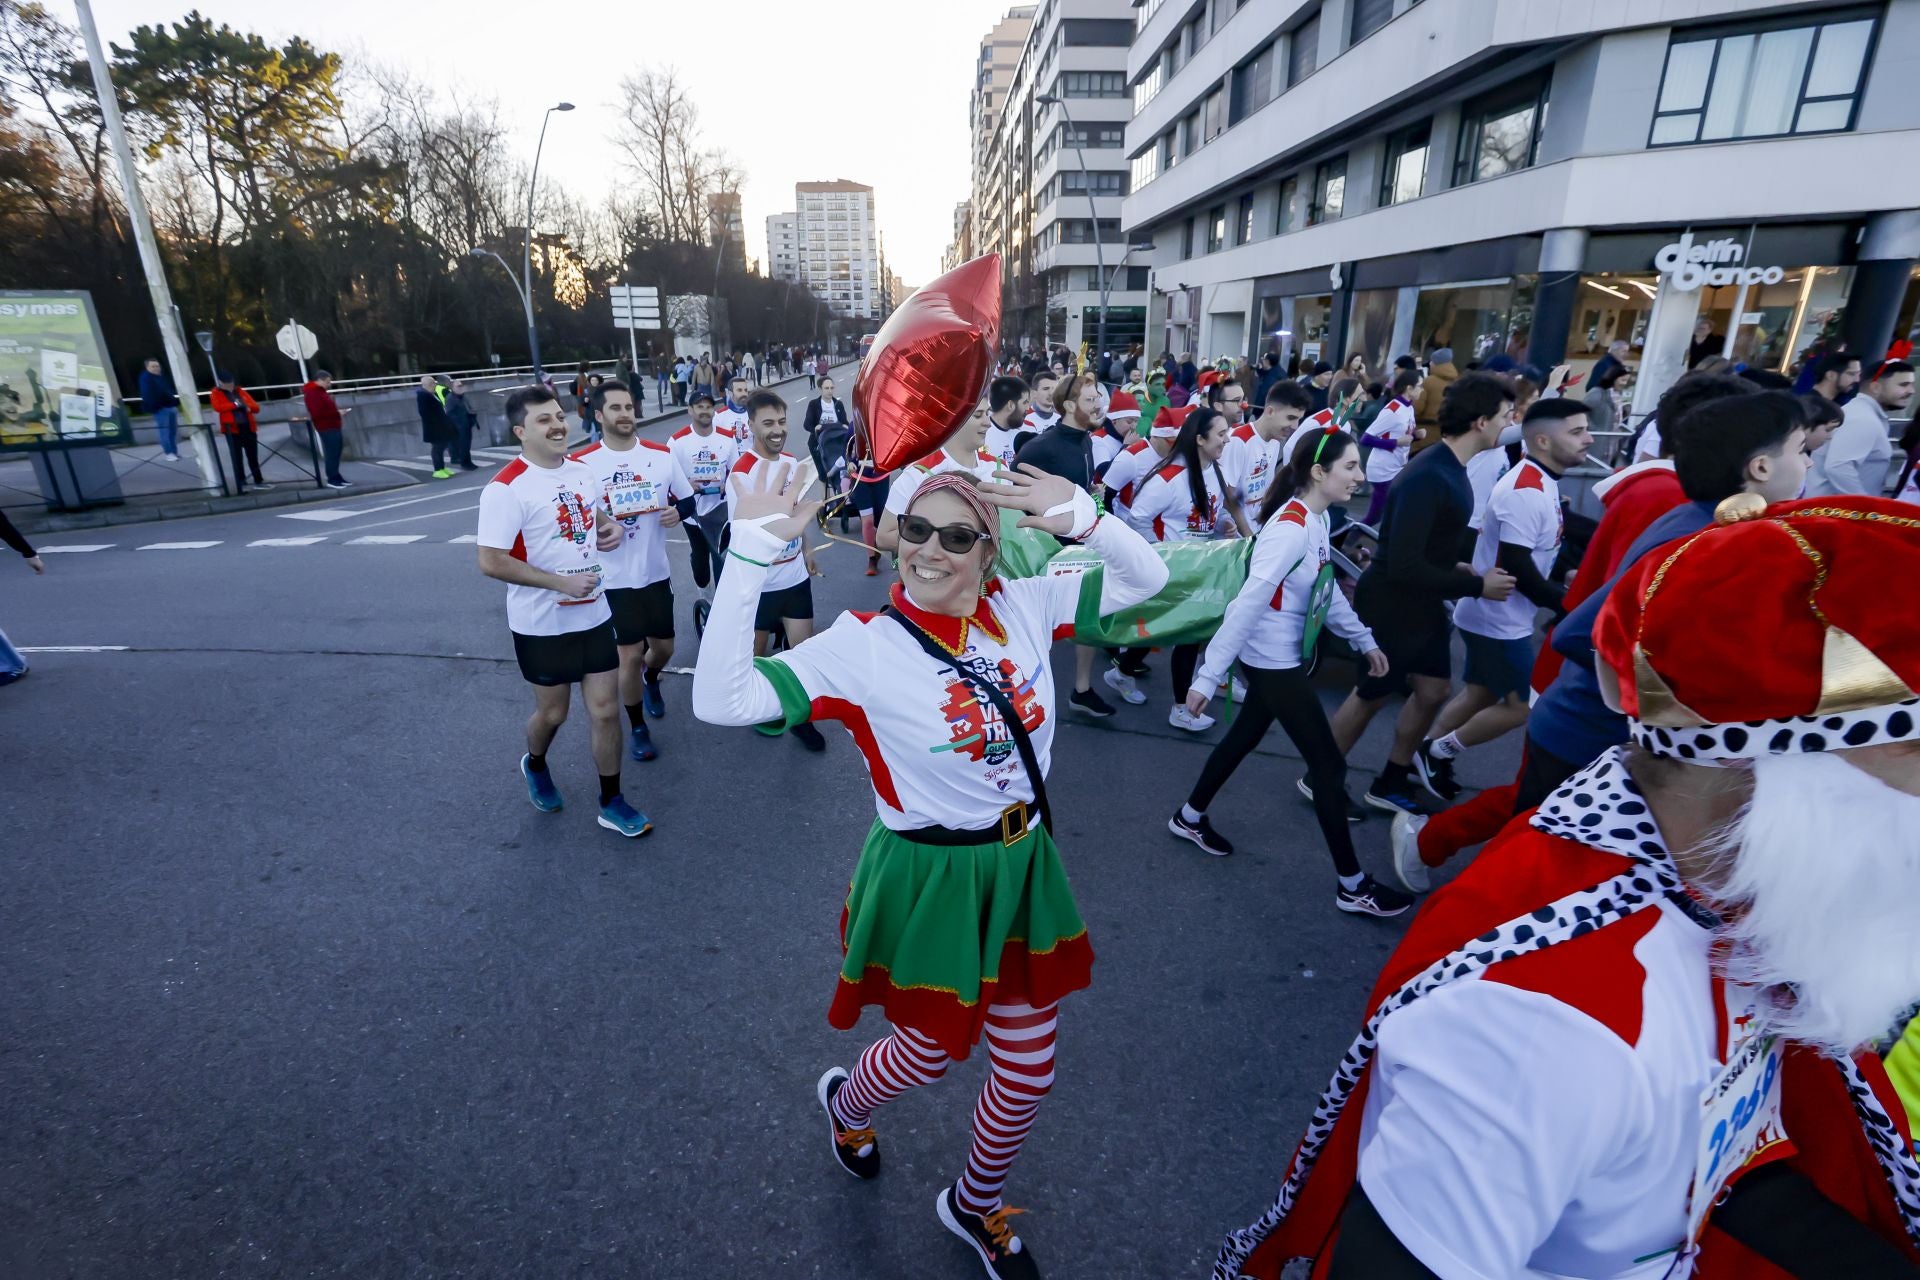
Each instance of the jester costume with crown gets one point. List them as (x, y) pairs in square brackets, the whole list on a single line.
[(1560, 1074)]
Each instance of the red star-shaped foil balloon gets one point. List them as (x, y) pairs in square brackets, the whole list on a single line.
[(929, 364)]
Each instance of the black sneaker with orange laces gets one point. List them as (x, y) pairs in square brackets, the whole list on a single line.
[(857, 1150), (1001, 1252)]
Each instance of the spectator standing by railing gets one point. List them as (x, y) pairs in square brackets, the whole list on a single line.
[(323, 411), (157, 396), (464, 420), (436, 428), (239, 415), (12, 665)]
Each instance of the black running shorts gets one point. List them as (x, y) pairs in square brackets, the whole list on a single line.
[(642, 613), (795, 601), (568, 657)]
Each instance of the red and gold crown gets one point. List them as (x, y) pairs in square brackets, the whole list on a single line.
[(1776, 629)]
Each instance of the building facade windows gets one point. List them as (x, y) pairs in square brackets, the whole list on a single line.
[(1150, 84), (1404, 175), (1091, 84), (1329, 191), (1289, 212), (1243, 220), (1145, 167), (1216, 228), (1763, 82), (1214, 115), (1252, 85), (1303, 50), (1368, 17), (1500, 131)]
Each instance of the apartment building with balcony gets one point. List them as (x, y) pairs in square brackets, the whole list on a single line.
[(783, 247), (1534, 178), (1049, 188), (837, 246)]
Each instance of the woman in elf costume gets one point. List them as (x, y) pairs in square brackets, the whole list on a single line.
[(959, 919)]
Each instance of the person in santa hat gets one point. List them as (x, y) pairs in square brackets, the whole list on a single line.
[(1634, 1039), (1116, 430)]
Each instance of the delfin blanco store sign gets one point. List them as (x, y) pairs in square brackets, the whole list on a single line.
[(1716, 262)]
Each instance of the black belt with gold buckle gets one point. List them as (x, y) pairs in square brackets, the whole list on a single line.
[(1017, 821)]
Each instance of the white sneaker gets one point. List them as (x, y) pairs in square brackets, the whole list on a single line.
[(1413, 873), (1239, 690), (171, 457), (1181, 718), (1125, 685)]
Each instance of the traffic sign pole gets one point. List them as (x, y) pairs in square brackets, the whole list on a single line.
[(293, 328)]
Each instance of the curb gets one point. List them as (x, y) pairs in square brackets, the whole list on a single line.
[(192, 508)]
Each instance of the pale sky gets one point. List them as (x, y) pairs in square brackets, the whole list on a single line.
[(874, 91)]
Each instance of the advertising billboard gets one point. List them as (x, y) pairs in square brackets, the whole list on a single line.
[(56, 385)]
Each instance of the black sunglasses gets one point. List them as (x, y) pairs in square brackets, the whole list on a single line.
[(955, 539)]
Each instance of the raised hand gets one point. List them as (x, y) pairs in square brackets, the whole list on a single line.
[(777, 490), (1046, 499)]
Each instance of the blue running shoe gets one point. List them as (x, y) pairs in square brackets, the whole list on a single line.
[(540, 788), (1393, 798), (650, 699), (642, 743), (617, 815)]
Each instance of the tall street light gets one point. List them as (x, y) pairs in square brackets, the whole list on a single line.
[(526, 297), (533, 338), (1093, 210), (1145, 246)]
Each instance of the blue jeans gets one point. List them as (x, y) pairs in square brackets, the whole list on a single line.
[(12, 664), (166, 423), (330, 443)]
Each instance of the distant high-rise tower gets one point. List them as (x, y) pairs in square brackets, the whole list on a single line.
[(839, 245)]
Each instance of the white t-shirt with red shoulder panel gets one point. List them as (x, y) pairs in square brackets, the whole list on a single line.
[(734, 422), (1250, 463), (705, 461), (1288, 582), (636, 485), (1396, 423), (789, 566), (908, 479), (936, 754), (1524, 509), (999, 444), (1164, 509), (1123, 476), (544, 516)]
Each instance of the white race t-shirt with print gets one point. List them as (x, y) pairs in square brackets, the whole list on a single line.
[(636, 486), (544, 516), (705, 461), (1395, 422), (1524, 509), (1251, 462), (1164, 509), (1123, 476), (789, 566), (999, 443), (908, 479)]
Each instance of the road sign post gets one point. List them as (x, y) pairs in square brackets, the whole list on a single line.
[(635, 307), (296, 342)]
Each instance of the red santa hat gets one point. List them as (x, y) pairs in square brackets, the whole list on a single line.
[(1123, 405), (1207, 378), (1167, 423), (1776, 629)]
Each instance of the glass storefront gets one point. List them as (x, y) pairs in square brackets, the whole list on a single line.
[(1370, 327), (1295, 329), (1477, 320), (1772, 325)]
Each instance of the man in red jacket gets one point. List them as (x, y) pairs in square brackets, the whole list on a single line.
[(239, 415), (1634, 1039), (1633, 498), (324, 412)]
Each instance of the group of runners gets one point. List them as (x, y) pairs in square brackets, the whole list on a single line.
[(959, 921)]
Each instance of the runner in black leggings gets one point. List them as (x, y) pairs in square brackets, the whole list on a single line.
[(1272, 627)]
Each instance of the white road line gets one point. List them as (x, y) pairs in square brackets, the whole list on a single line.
[(465, 537), (178, 546), (76, 648), (429, 515), (76, 547), (347, 513), (406, 463), (497, 455), (384, 539), (289, 542)]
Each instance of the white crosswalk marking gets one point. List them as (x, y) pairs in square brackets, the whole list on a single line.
[(465, 537), (322, 516), (289, 542), (407, 464), (77, 546), (178, 546), (384, 539), (497, 455)]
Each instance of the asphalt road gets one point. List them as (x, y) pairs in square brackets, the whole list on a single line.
[(298, 984)]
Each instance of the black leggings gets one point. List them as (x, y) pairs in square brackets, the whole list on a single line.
[(1186, 658), (1286, 695), (707, 559)]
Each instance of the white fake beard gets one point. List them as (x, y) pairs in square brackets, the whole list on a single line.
[(1821, 873)]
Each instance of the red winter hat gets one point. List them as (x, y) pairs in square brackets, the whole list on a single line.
[(1207, 379), (1167, 423), (1777, 629), (1122, 405)]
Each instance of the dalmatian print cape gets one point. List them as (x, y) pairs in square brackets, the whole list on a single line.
[(1602, 808)]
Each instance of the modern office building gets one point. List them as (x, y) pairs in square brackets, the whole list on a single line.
[(1528, 177), (783, 247), (960, 248), (837, 245), (1000, 51), (1050, 190)]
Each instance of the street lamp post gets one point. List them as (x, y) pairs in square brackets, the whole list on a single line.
[(1113, 280), (526, 267), (526, 297), (1093, 210)]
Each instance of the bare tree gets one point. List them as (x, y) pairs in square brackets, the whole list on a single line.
[(659, 138)]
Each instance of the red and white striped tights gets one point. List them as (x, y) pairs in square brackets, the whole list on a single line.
[(1020, 1058)]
